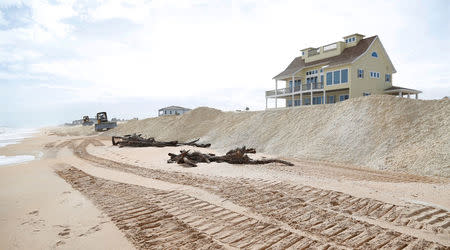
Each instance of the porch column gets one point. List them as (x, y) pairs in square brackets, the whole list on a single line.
[(292, 89), (276, 93), (324, 97), (301, 94), (266, 102)]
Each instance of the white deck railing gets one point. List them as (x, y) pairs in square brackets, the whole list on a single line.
[(305, 88)]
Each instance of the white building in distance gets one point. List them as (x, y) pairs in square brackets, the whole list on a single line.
[(172, 110)]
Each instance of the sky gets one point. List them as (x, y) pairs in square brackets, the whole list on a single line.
[(62, 59)]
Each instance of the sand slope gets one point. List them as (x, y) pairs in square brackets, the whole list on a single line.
[(380, 132)]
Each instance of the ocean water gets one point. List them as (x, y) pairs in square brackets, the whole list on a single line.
[(12, 136)]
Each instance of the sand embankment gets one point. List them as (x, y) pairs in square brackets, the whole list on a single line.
[(380, 132)]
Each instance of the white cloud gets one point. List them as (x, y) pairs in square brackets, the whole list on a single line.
[(11, 3), (3, 21), (194, 48)]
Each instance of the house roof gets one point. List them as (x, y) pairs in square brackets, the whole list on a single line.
[(347, 56), (355, 34), (397, 89), (174, 107)]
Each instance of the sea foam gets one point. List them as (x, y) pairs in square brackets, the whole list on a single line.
[(10, 136)]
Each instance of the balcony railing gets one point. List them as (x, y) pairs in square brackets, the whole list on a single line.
[(305, 88)]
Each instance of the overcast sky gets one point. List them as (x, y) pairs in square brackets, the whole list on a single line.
[(62, 59)]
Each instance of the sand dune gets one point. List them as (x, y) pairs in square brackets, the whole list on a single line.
[(135, 199), (380, 132)]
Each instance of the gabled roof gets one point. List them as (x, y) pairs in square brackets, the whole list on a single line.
[(397, 89), (174, 107), (348, 55)]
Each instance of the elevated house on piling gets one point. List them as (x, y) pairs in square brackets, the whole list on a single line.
[(354, 67)]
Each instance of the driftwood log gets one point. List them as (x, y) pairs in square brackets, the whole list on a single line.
[(235, 156), (139, 141)]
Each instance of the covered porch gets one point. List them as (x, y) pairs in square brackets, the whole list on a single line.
[(311, 98), (402, 92), (297, 88)]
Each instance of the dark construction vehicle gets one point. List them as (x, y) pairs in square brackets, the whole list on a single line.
[(87, 121), (103, 123)]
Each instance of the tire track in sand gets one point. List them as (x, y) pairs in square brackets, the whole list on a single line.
[(152, 218), (324, 213)]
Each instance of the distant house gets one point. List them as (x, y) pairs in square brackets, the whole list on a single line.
[(172, 110), (335, 72)]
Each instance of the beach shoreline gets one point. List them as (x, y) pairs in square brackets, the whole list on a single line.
[(38, 210)]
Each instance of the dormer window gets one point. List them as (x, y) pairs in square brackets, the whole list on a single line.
[(374, 54), (350, 40)]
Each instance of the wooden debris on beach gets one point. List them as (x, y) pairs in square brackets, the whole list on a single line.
[(235, 156), (139, 141), (195, 144)]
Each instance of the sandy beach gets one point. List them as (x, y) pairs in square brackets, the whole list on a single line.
[(85, 193), (224, 125)]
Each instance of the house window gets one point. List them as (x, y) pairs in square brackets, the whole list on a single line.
[(329, 78), (374, 74), (351, 39), (374, 54), (307, 101), (343, 98), (360, 73), (317, 100), (297, 102), (331, 99), (289, 103), (344, 76), (290, 84), (388, 77), (321, 78), (337, 77), (165, 112), (366, 93), (311, 72)]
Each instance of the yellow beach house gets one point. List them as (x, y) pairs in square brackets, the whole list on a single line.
[(354, 67)]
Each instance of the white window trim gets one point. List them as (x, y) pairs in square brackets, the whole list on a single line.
[(350, 39), (344, 97), (340, 75), (375, 75), (362, 73)]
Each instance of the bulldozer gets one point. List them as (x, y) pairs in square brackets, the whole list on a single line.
[(87, 121), (103, 123)]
